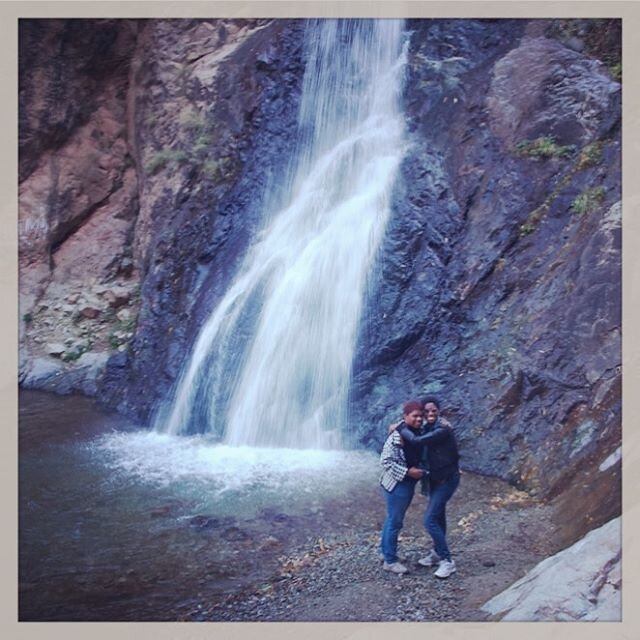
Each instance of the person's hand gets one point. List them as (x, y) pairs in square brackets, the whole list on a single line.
[(394, 426), (415, 472), (445, 422)]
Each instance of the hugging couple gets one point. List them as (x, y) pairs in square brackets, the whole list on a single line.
[(422, 447)]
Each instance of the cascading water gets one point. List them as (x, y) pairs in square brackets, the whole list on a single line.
[(271, 366)]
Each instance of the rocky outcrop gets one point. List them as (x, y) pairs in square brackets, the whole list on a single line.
[(78, 197), (498, 285), (581, 583)]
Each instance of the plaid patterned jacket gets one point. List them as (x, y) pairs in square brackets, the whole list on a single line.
[(393, 461)]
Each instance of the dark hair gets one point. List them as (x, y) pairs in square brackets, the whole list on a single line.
[(412, 405), (431, 400)]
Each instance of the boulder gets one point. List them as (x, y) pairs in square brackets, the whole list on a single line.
[(79, 377), (40, 373), (543, 88), (581, 583)]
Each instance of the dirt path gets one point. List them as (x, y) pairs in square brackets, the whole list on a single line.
[(496, 535)]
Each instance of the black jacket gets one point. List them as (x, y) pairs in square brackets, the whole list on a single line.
[(441, 454), (413, 450)]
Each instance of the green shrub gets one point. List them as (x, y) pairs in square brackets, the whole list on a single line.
[(211, 169), (590, 156), (163, 157), (193, 120), (28, 317), (196, 122), (543, 147), (115, 341), (527, 228), (616, 71), (588, 201), (70, 356), (532, 220)]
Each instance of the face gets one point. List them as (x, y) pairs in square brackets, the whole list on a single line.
[(431, 412), (414, 419)]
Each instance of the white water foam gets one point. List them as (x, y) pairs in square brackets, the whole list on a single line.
[(153, 458)]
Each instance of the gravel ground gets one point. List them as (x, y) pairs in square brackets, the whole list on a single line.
[(496, 535)]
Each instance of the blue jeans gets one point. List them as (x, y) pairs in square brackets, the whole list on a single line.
[(397, 502), (435, 518)]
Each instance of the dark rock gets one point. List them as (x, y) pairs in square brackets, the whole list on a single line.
[(235, 534), (202, 522), (89, 311), (515, 328)]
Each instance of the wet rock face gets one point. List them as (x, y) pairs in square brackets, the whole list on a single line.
[(499, 285), (216, 107)]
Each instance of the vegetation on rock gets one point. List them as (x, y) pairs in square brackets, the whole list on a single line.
[(543, 147), (588, 201)]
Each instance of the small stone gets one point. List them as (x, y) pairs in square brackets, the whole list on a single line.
[(576, 44), (123, 315), (126, 267), (90, 312), (55, 349), (201, 521), (117, 297)]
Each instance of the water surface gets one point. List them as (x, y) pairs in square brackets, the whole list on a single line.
[(118, 522)]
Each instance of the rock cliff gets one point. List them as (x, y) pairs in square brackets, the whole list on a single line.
[(146, 150)]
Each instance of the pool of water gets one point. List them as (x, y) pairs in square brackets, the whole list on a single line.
[(121, 523)]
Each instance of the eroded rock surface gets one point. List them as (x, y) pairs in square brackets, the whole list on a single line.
[(581, 583)]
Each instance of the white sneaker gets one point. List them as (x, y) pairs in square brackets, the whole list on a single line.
[(432, 559), (445, 569), (394, 567)]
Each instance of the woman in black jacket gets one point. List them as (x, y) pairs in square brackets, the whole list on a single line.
[(440, 458)]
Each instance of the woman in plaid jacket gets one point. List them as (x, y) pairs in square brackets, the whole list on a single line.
[(400, 473)]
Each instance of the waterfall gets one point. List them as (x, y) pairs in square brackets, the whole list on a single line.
[(272, 364)]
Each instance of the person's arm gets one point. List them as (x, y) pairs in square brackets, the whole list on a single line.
[(439, 434), (394, 426)]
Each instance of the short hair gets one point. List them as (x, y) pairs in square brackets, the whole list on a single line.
[(431, 400), (412, 405)]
